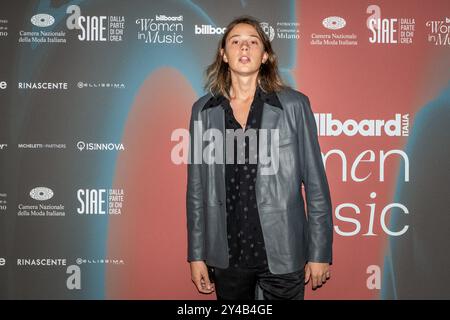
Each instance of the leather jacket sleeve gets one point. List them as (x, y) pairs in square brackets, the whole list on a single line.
[(318, 201), (194, 199)]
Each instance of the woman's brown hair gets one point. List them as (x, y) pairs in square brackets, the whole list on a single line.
[(218, 78)]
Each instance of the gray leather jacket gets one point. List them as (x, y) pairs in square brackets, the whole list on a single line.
[(291, 237)]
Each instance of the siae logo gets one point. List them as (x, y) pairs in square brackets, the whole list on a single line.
[(92, 201), (74, 279), (95, 28)]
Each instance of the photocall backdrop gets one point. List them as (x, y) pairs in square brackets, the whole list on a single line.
[(92, 189)]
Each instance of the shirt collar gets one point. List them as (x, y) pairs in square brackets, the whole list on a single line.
[(268, 97)]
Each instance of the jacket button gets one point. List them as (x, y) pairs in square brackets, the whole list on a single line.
[(220, 202)]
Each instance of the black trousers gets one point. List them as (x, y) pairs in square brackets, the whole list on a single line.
[(242, 284)]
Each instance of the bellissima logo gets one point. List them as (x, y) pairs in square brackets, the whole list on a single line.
[(327, 126), (81, 261), (100, 85), (94, 146)]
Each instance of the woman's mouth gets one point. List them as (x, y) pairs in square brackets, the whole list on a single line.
[(244, 59)]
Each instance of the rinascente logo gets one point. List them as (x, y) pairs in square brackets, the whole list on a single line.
[(43, 85), (41, 262)]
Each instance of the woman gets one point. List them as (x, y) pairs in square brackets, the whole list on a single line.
[(247, 226)]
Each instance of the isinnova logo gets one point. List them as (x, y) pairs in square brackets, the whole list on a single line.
[(94, 146)]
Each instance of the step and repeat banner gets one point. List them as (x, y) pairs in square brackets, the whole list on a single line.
[(92, 192)]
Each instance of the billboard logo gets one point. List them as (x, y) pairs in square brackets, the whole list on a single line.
[(328, 126)]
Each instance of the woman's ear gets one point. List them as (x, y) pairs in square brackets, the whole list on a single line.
[(224, 56)]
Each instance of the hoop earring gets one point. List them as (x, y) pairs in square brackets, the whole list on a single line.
[(211, 92)]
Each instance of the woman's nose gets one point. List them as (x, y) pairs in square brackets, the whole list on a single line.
[(244, 45)]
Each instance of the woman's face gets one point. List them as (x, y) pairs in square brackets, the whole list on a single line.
[(244, 50)]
